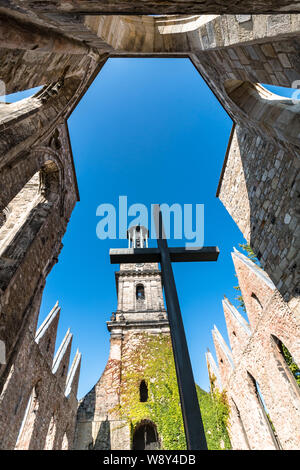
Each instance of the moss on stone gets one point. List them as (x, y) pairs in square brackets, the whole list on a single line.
[(154, 363)]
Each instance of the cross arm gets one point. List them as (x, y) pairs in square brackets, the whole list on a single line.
[(152, 255)]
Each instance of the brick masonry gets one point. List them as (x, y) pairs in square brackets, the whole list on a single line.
[(256, 357)]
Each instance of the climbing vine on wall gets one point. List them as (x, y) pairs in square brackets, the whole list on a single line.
[(215, 413), (291, 364), (154, 363), (252, 256)]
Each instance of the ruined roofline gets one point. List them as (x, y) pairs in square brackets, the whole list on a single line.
[(235, 313), (47, 322), (225, 159), (61, 351), (219, 338), (259, 272), (75, 368), (72, 159), (214, 368)]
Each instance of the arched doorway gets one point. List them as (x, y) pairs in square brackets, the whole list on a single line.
[(145, 437)]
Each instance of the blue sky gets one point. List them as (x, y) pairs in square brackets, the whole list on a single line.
[(152, 130)]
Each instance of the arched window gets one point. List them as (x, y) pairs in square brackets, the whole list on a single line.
[(260, 106), (140, 292), (63, 370), (143, 391), (50, 438), (48, 344), (256, 306), (18, 209), (255, 386), (287, 361), (24, 216), (138, 237), (17, 96), (256, 299), (28, 423), (145, 437), (241, 424), (65, 442)]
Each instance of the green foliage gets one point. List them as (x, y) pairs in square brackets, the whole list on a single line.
[(215, 413), (249, 252), (154, 363), (291, 364), (271, 423), (251, 255), (240, 299)]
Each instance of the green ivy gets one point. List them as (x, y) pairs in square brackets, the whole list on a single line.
[(215, 414), (291, 364), (252, 256), (249, 253), (154, 363), (240, 299)]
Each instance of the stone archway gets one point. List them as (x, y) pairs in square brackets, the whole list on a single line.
[(145, 436), (274, 115)]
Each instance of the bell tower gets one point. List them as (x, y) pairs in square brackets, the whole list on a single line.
[(139, 288), (128, 407)]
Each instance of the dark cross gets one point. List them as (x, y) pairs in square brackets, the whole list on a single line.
[(193, 426)]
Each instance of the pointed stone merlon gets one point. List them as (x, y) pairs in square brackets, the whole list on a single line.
[(224, 357), (219, 341), (238, 330), (236, 315), (213, 370), (46, 334), (256, 287), (73, 375), (259, 272), (62, 357)]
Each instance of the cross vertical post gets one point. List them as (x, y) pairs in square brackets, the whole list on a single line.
[(193, 425)]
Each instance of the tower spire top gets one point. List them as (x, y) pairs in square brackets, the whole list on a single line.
[(137, 236)]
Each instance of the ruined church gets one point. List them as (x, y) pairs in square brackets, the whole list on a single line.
[(62, 46)]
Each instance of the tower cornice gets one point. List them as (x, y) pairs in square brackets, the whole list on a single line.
[(118, 327), (132, 272)]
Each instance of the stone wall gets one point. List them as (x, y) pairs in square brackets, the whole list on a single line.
[(38, 402), (31, 238), (255, 370), (137, 7), (260, 189)]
